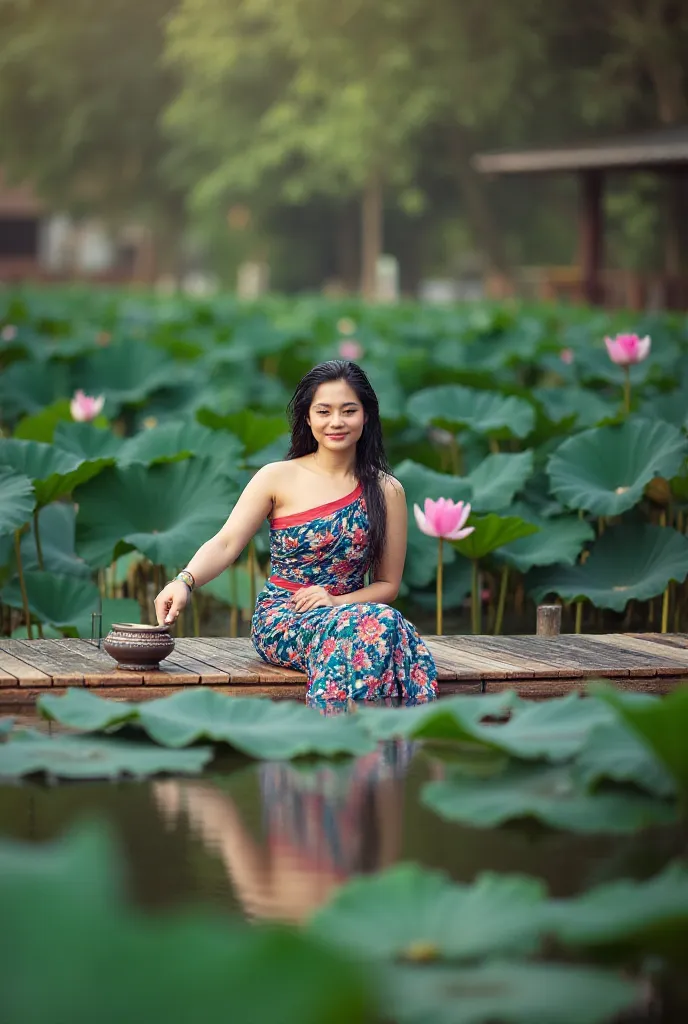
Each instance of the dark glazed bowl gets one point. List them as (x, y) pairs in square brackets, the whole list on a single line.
[(138, 648)]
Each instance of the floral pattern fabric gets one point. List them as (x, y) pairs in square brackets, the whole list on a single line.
[(359, 651)]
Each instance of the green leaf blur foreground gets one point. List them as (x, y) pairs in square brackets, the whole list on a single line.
[(79, 953)]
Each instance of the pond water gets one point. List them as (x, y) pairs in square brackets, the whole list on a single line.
[(274, 840)]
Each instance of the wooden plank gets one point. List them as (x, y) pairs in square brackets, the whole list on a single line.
[(41, 655), (485, 666), (616, 660), (218, 660), (550, 648), (449, 668), (499, 648), (675, 658), (24, 697), (245, 663), (101, 670), (19, 671), (207, 675)]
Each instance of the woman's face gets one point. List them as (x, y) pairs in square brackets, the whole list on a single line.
[(336, 416)]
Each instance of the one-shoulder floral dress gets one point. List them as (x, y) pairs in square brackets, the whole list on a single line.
[(362, 651)]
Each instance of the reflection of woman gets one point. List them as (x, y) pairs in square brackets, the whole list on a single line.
[(321, 827), (335, 514)]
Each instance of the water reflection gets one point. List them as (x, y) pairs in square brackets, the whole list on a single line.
[(319, 827)]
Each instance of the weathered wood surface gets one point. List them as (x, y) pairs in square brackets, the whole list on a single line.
[(535, 666)]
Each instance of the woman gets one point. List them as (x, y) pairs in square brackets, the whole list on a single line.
[(336, 514)]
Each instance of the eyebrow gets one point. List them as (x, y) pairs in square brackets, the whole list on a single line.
[(326, 405)]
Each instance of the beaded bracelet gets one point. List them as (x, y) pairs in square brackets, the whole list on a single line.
[(186, 577)]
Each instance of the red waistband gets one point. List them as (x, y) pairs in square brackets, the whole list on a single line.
[(287, 584)]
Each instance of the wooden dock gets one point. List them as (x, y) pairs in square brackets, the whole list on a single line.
[(535, 666)]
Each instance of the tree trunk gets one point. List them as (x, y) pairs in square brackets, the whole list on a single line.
[(479, 214), (371, 235), (347, 247)]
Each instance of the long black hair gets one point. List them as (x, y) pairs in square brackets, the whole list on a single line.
[(371, 461)]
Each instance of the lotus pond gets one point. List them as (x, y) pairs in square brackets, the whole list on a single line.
[(478, 859), (575, 470)]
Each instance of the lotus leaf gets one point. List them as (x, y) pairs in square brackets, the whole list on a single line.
[(485, 412), (17, 500), (171, 442), (452, 718), (27, 387), (651, 916), (660, 724), (256, 727), (56, 524), (496, 480), (273, 452), (6, 725), (254, 430), (456, 586), (86, 441), (628, 561), (492, 532), (407, 908), (559, 540), (613, 751), (166, 512), (129, 371), (605, 470), (583, 408), (511, 993), (85, 757), (549, 795), (99, 958), (69, 601), (53, 472), (40, 426)]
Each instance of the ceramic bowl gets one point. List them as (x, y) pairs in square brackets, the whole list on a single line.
[(138, 648)]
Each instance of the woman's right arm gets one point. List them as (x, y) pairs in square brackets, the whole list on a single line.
[(222, 550)]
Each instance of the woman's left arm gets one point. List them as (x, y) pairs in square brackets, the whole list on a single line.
[(389, 571)]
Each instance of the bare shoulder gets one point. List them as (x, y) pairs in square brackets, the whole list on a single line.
[(392, 489)]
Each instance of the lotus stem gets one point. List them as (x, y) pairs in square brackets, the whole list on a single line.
[(37, 537), (503, 586), (579, 617), (663, 517), (679, 520), (196, 613), (627, 390), (456, 456), (494, 445), (665, 610), (439, 587), (600, 526), (22, 582), (475, 598)]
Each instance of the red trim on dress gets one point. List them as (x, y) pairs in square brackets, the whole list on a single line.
[(287, 584), (299, 518)]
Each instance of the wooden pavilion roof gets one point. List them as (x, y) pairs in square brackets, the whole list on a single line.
[(661, 148)]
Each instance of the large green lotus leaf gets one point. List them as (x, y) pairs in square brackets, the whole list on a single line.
[(40, 426), (56, 524), (606, 470), (649, 916), (17, 500), (453, 718), (634, 560), (485, 412), (166, 512), (660, 724), (54, 472), (254, 430), (511, 993), (550, 795), (490, 487), (27, 387), (59, 600), (492, 532), (256, 727), (86, 441), (6, 726), (559, 540), (81, 709), (129, 371), (585, 408), (408, 907), (64, 908), (614, 752), (85, 757), (273, 452), (172, 442), (233, 587)]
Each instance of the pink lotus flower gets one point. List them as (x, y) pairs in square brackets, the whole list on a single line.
[(84, 408), (8, 333), (444, 518), (350, 349), (626, 349), (566, 356)]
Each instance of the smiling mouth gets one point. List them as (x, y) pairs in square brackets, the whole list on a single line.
[(335, 436)]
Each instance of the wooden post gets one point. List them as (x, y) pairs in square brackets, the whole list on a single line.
[(548, 620), (591, 235)]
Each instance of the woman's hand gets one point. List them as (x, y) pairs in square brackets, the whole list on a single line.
[(312, 597), (170, 602)]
